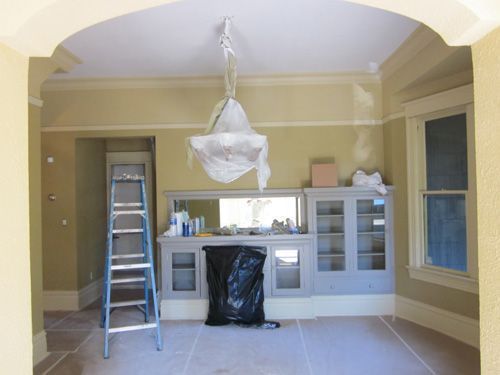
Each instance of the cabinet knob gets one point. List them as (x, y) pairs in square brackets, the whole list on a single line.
[(370, 285), (332, 286)]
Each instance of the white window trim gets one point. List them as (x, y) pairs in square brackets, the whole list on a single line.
[(418, 111)]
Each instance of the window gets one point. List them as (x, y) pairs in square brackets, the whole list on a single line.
[(441, 190)]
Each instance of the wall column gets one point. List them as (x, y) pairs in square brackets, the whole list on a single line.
[(15, 286), (486, 61)]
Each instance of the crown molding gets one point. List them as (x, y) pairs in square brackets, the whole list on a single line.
[(64, 59), (162, 126), (415, 43), (207, 81)]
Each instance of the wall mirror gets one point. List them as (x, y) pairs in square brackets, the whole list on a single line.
[(243, 208)]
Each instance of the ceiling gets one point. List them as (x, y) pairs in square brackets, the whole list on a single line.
[(269, 37)]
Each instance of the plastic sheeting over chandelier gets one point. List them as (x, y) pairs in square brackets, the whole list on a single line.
[(229, 147)]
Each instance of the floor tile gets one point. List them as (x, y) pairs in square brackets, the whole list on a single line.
[(65, 341), (443, 354), (44, 365), (356, 345), (53, 317)]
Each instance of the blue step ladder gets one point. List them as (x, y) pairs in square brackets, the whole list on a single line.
[(141, 261)]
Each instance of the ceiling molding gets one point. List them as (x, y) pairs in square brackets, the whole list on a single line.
[(210, 81), (416, 42), (160, 126), (64, 59), (393, 116)]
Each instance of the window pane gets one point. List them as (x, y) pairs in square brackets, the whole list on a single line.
[(446, 153), (446, 241)]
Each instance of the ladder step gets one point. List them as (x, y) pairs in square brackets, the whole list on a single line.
[(124, 256), (133, 302), (132, 266), (122, 280), (135, 204), (130, 212), (132, 328), (138, 230)]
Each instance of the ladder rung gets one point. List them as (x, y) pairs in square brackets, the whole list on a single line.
[(130, 266), (124, 256), (123, 280), (132, 328), (133, 302), (131, 212), (135, 204), (138, 230)]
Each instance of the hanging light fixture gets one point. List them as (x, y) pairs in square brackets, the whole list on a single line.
[(229, 147)]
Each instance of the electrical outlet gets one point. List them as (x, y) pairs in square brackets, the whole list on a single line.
[(91, 276)]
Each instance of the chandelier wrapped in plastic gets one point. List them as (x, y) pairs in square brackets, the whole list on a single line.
[(229, 148)]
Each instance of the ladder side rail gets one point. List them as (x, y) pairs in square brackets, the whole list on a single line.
[(147, 235), (108, 269)]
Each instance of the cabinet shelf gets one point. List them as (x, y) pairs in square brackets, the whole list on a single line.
[(369, 233), (330, 215), (330, 255), (371, 214), (331, 234), (370, 253), (183, 269)]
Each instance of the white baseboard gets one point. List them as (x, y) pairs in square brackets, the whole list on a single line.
[(290, 307), (72, 299), (352, 305), (39, 347), (454, 325)]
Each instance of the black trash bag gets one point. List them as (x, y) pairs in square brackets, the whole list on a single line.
[(235, 286)]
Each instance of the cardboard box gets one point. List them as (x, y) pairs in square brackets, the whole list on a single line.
[(324, 175)]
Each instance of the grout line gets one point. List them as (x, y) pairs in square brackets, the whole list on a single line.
[(63, 319), (66, 354), (408, 346), (304, 347), (192, 349), (55, 363)]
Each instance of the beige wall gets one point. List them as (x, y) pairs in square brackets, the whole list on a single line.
[(486, 54), (59, 242), (91, 209), (396, 173), (15, 285), (437, 67), (291, 151)]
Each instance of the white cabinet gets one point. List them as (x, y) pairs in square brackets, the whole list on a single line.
[(286, 270), (352, 230)]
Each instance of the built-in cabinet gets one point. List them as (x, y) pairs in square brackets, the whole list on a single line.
[(286, 270), (353, 252)]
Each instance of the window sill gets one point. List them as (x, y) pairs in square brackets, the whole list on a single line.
[(445, 279)]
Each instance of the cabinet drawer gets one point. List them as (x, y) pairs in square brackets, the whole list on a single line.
[(352, 285)]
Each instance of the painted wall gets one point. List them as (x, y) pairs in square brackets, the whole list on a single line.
[(15, 285), (396, 173), (486, 55), (291, 148), (91, 209), (59, 242), (429, 67)]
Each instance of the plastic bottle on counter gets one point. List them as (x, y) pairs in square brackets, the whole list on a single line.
[(173, 221)]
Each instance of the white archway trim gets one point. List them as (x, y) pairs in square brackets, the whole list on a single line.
[(459, 22), (37, 27)]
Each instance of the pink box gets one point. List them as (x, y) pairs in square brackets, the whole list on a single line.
[(324, 175)]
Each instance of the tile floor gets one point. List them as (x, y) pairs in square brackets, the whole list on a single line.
[(332, 345)]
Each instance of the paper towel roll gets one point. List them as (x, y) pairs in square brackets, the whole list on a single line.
[(180, 219)]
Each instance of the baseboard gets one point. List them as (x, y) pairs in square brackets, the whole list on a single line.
[(89, 294), (459, 327), (352, 305), (39, 347), (72, 299), (291, 307)]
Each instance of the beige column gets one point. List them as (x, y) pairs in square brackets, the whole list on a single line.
[(486, 60), (15, 285)]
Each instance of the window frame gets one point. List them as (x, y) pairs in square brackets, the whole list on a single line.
[(418, 112)]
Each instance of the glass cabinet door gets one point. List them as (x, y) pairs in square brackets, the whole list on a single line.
[(330, 231), (287, 270), (371, 221), (184, 271)]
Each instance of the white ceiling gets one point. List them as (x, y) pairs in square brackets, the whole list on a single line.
[(269, 37)]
